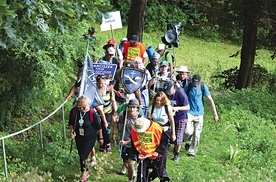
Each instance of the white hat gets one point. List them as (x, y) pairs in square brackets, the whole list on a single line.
[(111, 50), (161, 47), (183, 69), (123, 39), (140, 125)]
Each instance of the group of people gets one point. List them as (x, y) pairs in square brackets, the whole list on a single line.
[(166, 110)]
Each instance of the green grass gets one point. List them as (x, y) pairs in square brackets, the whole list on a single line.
[(239, 147)]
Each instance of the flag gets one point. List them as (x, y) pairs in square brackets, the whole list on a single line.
[(88, 85)]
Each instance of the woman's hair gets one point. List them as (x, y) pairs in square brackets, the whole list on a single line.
[(83, 99), (164, 99), (100, 77)]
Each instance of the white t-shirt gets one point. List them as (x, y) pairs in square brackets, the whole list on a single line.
[(159, 115)]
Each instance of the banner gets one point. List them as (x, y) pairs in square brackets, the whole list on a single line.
[(88, 82), (108, 70), (111, 19)]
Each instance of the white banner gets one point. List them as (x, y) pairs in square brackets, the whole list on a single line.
[(111, 19)]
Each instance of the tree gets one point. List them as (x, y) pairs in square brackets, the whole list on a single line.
[(136, 18), (248, 51), (253, 13)]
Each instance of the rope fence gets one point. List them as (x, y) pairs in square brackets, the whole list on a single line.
[(30, 127)]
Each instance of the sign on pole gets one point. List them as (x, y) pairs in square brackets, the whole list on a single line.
[(111, 20)]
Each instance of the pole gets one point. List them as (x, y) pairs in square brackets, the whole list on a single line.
[(123, 133)]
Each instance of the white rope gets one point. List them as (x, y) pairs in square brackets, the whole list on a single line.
[(30, 127)]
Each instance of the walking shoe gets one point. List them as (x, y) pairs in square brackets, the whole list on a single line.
[(108, 147), (187, 146), (124, 169), (191, 155), (176, 158), (101, 149)]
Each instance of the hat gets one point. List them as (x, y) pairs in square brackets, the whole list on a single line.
[(155, 55), (167, 87), (111, 42), (111, 50), (129, 64), (133, 102), (134, 38), (164, 63), (161, 47), (183, 69), (123, 39), (196, 80), (140, 125)]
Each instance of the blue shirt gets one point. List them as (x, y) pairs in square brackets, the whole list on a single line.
[(195, 100)]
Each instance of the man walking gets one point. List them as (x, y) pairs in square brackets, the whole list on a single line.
[(195, 92)]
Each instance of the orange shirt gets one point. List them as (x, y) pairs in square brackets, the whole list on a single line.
[(131, 52)]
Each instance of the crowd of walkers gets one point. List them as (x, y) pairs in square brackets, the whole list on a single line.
[(165, 111)]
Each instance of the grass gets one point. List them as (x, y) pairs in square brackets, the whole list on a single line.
[(239, 147)]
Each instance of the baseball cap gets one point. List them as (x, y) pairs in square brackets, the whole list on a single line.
[(134, 38), (167, 87), (196, 80), (111, 42)]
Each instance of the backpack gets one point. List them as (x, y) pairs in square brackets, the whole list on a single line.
[(202, 90), (90, 114), (173, 58)]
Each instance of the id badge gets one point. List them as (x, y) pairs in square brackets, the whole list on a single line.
[(81, 130)]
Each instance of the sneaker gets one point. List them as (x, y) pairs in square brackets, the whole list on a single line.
[(176, 158), (108, 148), (92, 163), (191, 155), (187, 146), (124, 169), (101, 149)]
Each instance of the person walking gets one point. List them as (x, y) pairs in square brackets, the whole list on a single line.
[(180, 105), (109, 107), (183, 78), (149, 142), (196, 90), (84, 127), (133, 48), (124, 126)]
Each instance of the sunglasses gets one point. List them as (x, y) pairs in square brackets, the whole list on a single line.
[(100, 77), (82, 107)]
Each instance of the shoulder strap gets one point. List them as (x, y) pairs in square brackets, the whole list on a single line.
[(166, 53), (202, 91), (152, 108), (189, 89), (91, 115), (167, 110)]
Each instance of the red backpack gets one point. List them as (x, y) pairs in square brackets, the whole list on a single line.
[(90, 113)]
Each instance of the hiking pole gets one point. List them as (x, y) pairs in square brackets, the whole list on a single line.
[(121, 147), (71, 147)]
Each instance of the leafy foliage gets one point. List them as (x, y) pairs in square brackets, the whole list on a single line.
[(262, 79)]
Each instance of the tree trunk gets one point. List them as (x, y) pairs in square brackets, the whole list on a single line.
[(136, 18), (250, 21)]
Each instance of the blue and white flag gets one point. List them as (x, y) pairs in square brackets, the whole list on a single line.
[(88, 85)]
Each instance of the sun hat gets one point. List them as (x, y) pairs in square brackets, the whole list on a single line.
[(196, 80), (161, 47), (140, 125), (164, 63), (183, 69), (134, 38), (111, 50), (111, 42), (167, 87), (124, 39), (133, 103)]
